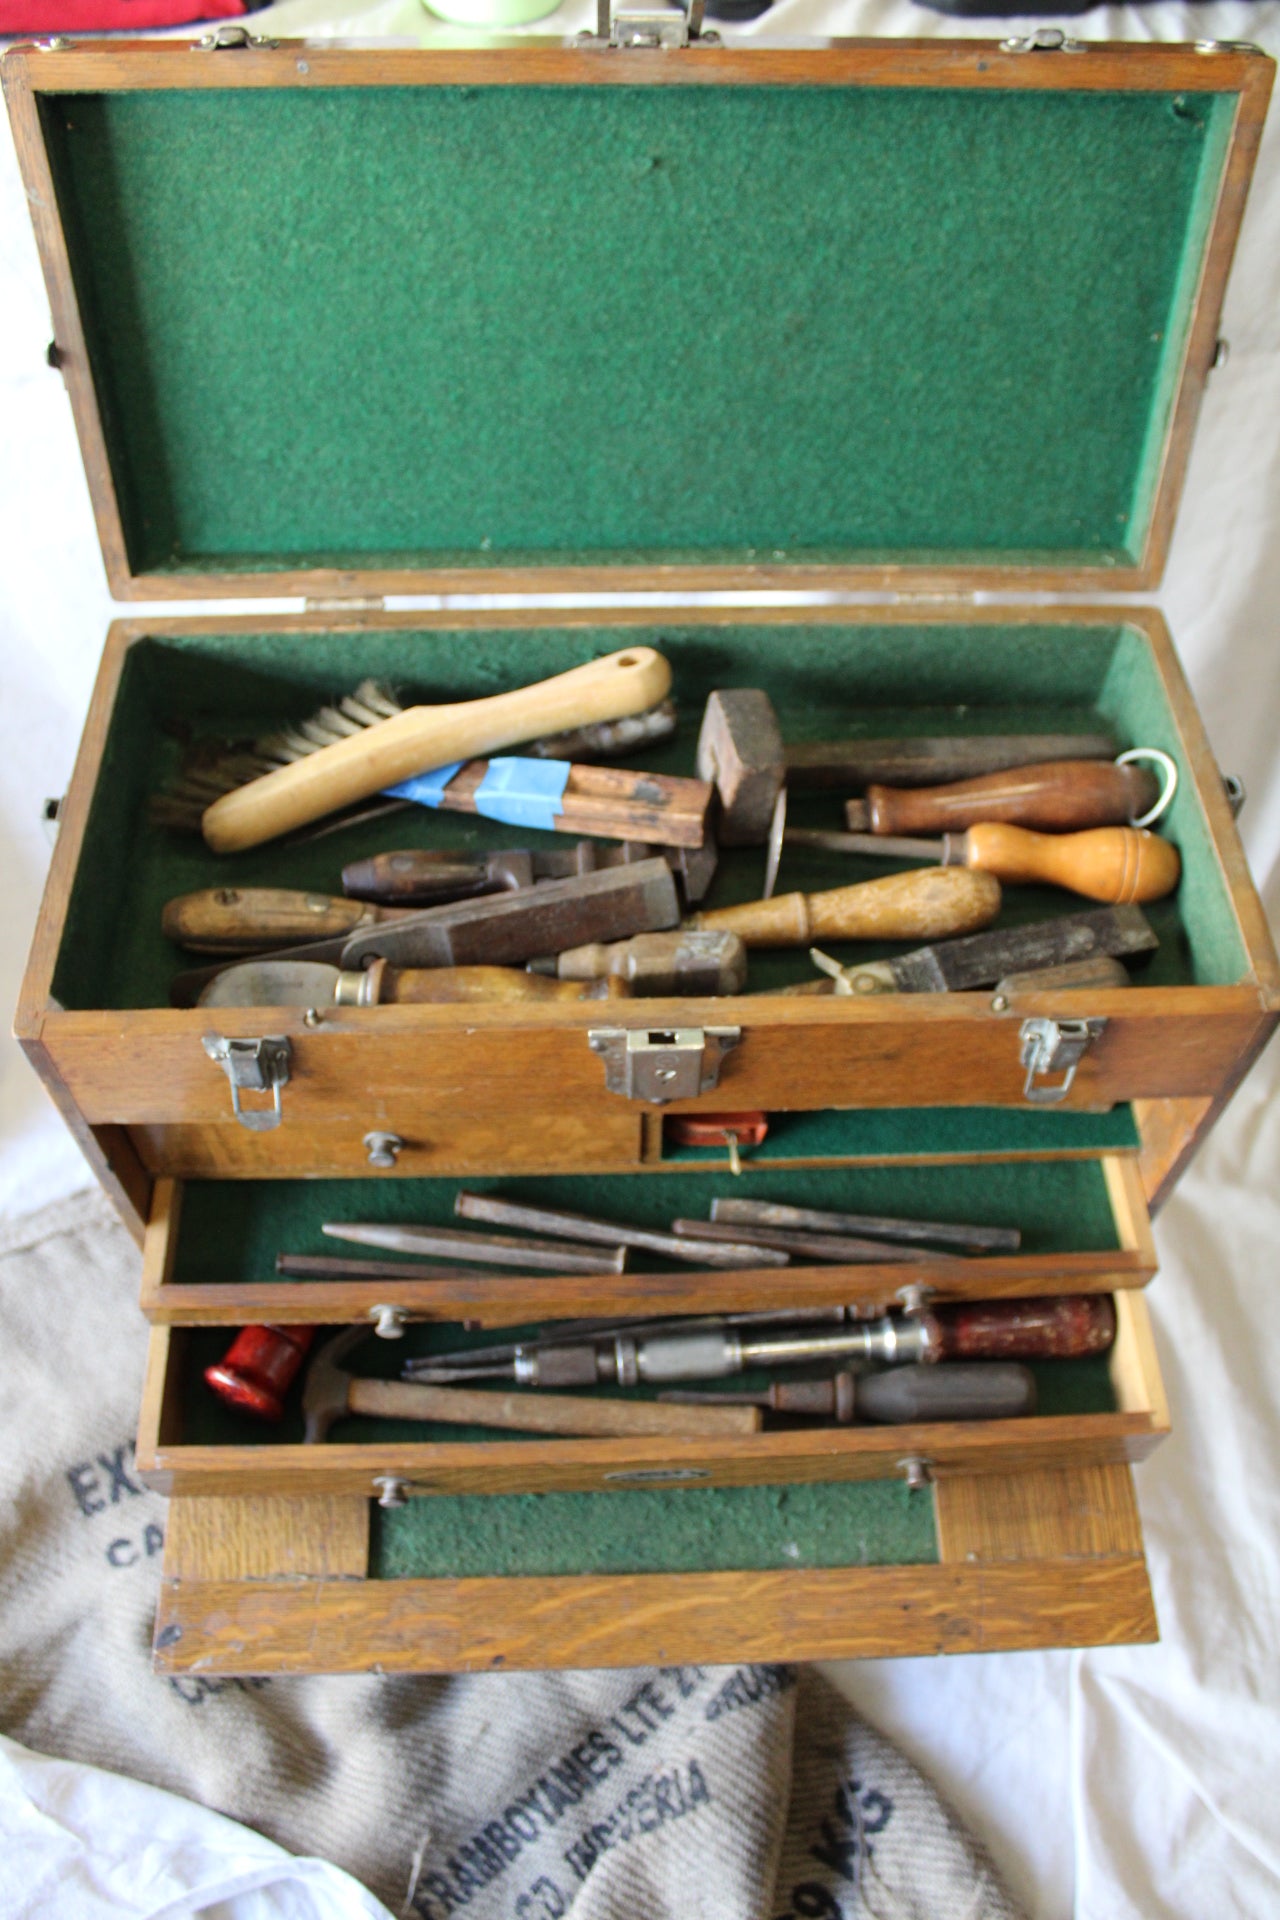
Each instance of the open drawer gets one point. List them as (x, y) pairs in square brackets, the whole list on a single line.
[(305, 1583), (211, 1246)]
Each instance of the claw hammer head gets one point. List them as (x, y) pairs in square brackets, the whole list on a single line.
[(327, 1389)]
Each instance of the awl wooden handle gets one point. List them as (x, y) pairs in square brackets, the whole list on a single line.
[(1053, 794), (928, 905), (542, 1412), (1115, 864), (422, 986), (425, 737)]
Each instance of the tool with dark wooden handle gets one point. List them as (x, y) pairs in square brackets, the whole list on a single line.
[(1116, 864), (1053, 795), (377, 757), (926, 758), (687, 960), (247, 919), (969, 1390), (902, 906)]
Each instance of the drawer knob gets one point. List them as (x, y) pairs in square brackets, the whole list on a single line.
[(391, 1492), (382, 1148), (388, 1321), (916, 1471)]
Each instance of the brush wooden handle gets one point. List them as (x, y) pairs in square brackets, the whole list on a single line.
[(1115, 864), (424, 737), (1053, 795), (418, 986), (927, 905), (542, 1412), (245, 919)]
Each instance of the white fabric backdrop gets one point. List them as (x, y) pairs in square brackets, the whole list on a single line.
[(1130, 1781)]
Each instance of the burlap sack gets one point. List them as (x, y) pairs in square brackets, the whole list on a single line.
[(749, 1793)]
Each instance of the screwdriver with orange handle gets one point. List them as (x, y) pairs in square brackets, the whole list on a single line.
[(1115, 864)]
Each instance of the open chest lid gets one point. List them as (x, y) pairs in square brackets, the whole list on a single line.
[(549, 316)]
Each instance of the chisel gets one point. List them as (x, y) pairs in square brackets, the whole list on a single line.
[(422, 877), (769, 1213), (481, 1249), (965, 1390), (1053, 795), (1117, 864), (902, 906), (958, 966), (734, 1252), (842, 1249)]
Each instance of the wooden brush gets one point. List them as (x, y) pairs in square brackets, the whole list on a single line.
[(375, 756), (214, 768)]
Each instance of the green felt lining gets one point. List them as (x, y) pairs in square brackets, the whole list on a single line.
[(478, 326), (888, 1133), (818, 1524), (825, 682)]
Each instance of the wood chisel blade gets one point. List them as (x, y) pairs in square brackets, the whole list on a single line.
[(980, 959), (511, 928)]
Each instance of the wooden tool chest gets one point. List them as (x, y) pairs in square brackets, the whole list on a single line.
[(735, 318)]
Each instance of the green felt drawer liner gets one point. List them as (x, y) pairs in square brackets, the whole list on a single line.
[(231, 1230), (1062, 1387), (887, 1133), (690, 1530), (390, 326), (825, 681)]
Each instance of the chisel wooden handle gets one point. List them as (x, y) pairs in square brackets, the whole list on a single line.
[(421, 986), (1115, 864), (927, 905), (542, 1413), (425, 737), (1053, 795), (245, 919)]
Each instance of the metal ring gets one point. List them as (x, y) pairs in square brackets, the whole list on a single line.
[(1168, 766)]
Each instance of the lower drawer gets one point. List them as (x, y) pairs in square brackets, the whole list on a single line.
[(299, 1583), (1104, 1410)]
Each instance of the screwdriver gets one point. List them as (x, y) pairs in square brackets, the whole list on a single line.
[(965, 1390), (1115, 864), (1064, 1327)]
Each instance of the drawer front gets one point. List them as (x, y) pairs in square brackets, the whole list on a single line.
[(295, 1584), (188, 1443)]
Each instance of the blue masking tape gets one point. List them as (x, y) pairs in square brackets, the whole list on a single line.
[(521, 792), (426, 788)]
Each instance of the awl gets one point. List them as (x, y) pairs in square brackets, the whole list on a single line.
[(902, 906), (1054, 795)]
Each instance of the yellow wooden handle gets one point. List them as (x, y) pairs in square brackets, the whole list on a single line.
[(425, 737), (930, 904), (418, 986), (542, 1412), (1115, 864)]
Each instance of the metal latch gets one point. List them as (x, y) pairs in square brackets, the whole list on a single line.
[(650, 27), (675, 1065), (252, 1066), (1043, 40), (1054, 1046), (230, 37)]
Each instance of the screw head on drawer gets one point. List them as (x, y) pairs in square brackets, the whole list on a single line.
[(391, 1491), (382, 1148), (388, 1321)]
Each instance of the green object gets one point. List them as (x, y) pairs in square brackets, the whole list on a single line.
[(822, 679), (507, 325), (492, 13)]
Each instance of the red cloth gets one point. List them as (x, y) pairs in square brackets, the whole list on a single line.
[(97, 16)]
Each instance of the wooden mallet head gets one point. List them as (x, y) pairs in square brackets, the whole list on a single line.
[(740, 749)]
